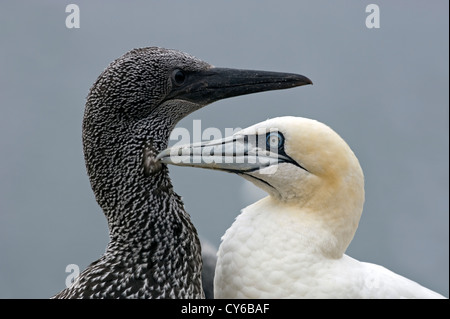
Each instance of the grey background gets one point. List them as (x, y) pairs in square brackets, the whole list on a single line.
[(385, 91)]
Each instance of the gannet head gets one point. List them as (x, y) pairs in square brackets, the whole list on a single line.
[(302, 164)]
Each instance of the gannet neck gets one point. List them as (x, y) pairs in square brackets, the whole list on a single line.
[(329, 206), (272, 250), (326, 232)]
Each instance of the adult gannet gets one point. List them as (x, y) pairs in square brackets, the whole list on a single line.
[(292, 243), (154, 250)]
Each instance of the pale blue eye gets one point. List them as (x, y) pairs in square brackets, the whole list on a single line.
[(274, 140)]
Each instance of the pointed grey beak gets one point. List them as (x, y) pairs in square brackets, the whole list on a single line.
[(237, 154)]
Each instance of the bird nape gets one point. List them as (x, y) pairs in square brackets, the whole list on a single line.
[(131, 109), (293, 242)]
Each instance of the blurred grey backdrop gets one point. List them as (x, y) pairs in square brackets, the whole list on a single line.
[(385, 91)]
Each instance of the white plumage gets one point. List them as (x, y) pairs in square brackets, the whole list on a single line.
[(292, 243), (265, 254)]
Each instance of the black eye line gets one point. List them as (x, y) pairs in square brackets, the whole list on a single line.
[(290, 160), (281, 150), (259, 179)]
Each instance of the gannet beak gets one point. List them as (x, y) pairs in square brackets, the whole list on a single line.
[(236, 154), (207, 86)]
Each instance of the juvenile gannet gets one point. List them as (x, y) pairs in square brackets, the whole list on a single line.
[(292, 243), (154, 250)]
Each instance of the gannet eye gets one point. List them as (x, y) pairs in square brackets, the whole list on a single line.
[(274, 140), (178, 77)]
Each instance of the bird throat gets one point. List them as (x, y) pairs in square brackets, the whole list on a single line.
[(150, 165), (153, 243)]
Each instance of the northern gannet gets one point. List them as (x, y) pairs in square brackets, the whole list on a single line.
[(154, 250), (292, 243)]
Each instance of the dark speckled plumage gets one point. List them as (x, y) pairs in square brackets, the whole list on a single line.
[(154, 250)]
